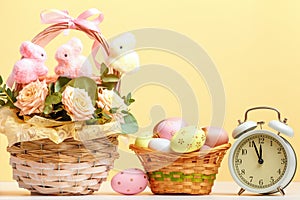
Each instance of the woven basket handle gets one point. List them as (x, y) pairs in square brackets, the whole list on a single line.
[(62, 21)]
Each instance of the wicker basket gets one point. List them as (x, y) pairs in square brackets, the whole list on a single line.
[(190, 173), (68, 168)]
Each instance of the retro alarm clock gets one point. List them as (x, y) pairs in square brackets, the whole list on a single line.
[(262, 161)]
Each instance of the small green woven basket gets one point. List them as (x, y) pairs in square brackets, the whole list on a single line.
[(189, 173)]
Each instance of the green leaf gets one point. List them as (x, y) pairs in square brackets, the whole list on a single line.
[(130, 125), (1, 80), (60, 83), (103, 69), (88, 84), (55, 98), (48, 109), (109, 85), (128, 96), (9, 92), (106, 116), (124, 112), (91, 121), (113, 110), (2, 103), (10, 104), (110, 78)]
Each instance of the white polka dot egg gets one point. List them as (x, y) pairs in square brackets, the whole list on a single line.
[(129, 181)]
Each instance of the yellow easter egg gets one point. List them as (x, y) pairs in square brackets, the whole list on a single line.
[(143, 139), (188, 139)]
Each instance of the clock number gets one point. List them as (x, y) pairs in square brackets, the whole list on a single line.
[(244, 151), (261, 140), (261, 182), (279, 149), (243, 172), (283, 160), (272, 180), (279, 171), (251, 178), (238, 161), (271, 143), (251, 143)]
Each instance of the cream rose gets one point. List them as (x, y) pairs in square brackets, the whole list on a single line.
[(78, 104), (108, 99), (31, 98)]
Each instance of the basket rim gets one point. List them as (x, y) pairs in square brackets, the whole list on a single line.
[(142, 150)]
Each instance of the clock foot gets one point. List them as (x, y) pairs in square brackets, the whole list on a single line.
[(281, 191), (241, 191)]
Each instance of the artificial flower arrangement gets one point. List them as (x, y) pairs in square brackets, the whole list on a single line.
[(62, 129)]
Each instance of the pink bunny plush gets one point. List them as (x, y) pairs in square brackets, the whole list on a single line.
[(31, 66), (70, 61)]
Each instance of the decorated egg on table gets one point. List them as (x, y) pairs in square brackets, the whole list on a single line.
[(160, 144), (143, 139), (129, 181), (168, 127), (215, 136), (188, 139)]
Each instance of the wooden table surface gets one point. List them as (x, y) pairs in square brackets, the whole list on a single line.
[(221, 190)]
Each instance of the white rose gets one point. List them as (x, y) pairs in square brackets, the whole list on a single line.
[(108, 99), (77, 103)]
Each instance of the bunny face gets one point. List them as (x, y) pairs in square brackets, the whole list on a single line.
[(122, 44), (64, 54), (39, 54), (33, 51)]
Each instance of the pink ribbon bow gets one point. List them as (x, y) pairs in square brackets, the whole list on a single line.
[(58, 16)]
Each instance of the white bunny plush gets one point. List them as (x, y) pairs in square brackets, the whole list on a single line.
[(71, 63), (122, 56)]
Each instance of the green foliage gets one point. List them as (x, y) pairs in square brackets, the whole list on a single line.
[(101, 117), (128, 100), (130, 124), (7, 96), (108, 80), (60, 83), (51, 100)]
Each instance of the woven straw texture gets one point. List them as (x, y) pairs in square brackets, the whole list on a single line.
[(68, 168), (190, 173)]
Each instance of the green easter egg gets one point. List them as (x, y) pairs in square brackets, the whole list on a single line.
[(188, 139)]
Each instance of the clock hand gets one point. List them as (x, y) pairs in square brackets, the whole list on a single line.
[(260, 160), (253, 143)]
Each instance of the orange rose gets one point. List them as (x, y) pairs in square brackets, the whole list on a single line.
[(31, 98)]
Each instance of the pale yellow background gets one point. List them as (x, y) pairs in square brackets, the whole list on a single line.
[(255, 46)]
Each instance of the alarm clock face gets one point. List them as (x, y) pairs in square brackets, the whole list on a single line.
[(261, 161)]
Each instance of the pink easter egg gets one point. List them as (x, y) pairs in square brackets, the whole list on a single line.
[(168, 127), (215, 136), (205, 148), (129, 181)]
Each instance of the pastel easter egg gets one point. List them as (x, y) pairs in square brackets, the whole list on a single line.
[(215, 136), (160, 144), (143, 140), (188, 139), (129, 181), (168, 127), (205, 148)]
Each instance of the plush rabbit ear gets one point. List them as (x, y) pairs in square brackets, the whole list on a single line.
[(76, 44), (27, 49)]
